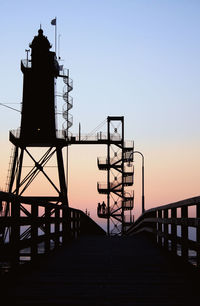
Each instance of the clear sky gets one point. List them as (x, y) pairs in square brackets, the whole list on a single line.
[(136, 58)]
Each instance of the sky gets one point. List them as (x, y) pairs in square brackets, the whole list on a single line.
[(133, 58)]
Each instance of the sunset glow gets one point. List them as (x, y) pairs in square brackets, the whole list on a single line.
[(137, 59)]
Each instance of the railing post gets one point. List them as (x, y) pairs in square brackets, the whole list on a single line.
[(174, 231), (159, 228), (79, 223), (72, 224), (66, 218), (184, 233), (47, 229), (34, 230), (57, 226), (166, 229), (198, 234), (153, 225), (76, 225), (15, 232)]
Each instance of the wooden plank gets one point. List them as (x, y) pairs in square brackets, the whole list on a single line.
[(104, 271)]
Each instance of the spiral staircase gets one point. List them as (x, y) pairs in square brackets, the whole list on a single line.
[(68, 105)]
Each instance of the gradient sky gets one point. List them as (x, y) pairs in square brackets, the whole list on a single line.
[(140, 59)]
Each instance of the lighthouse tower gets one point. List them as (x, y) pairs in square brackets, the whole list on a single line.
[(38, 109), (38, 127)]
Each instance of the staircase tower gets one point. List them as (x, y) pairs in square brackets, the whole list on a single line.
[(119, 177)]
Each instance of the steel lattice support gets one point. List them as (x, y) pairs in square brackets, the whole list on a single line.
[(118, 178), (20, 182)]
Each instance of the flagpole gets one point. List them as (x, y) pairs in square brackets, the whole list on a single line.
[(56, 35), (59, 47)]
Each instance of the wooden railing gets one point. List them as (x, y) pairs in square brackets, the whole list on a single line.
[(40, 228), (175, 227)]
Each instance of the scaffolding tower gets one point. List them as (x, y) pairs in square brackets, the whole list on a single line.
[(120, 172)]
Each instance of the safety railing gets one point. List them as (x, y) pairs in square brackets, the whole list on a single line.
[(127, 157), (97, 136), (25, 64), (175, 227), (68, 81), (61, 134), (15, 133), (67, 124), (69, 102), (103, 161), (40, 228), (129, 195), (128, 204), (128, 179), (103, 187), (128, 145)]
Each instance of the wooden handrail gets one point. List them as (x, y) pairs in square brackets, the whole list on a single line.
[(58, 225), (162, 223)]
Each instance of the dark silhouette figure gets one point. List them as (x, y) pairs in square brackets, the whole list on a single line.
[(103, 205), (99, 208)]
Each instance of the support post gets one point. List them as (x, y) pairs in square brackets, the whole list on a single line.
[(184, 233), (165, 229), (174, 231), (15, 232), (66, 224), (61, 172), (18, 178), (12, 177), (57, 226), (159, 228), (34, 230), (123, 177), (108, 178), (47, 229), (143, 208), (198, 234)]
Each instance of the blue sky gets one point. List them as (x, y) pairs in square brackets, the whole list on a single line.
[(140, 59)]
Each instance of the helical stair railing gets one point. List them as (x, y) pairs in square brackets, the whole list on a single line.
[(68, 104)]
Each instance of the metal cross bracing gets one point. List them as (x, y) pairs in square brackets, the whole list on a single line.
[(39, 131), (22, 177), (119, 196), (120, 170)]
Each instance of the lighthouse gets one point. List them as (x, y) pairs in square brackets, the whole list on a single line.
[(38, 124), (38, 106)]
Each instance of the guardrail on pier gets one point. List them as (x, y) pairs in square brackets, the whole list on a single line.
[(22, 231), (175, 227)]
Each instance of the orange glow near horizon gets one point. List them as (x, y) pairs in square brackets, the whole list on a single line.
[(170, 176)]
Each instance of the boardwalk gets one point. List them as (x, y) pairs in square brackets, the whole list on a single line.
[(105, 271)]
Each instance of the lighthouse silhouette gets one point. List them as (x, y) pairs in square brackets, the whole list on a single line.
[(38, 128), (38, 108)]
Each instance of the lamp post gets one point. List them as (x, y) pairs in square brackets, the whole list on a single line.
[(138, 152)]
